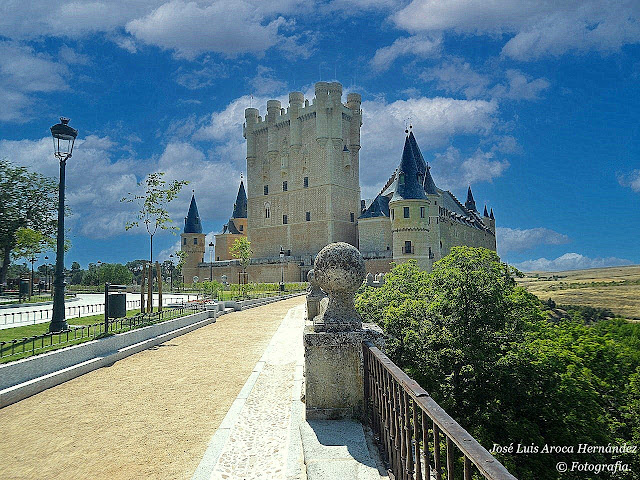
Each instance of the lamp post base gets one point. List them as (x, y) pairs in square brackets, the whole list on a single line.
[(58, 326)]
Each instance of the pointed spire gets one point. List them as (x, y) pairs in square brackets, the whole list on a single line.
[(240, 207), (422, 165), (485, 214), (470, 203), (429, 185), (192, 221), (491, 215), (408, 185)]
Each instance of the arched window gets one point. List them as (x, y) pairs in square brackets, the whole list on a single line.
[(267, 210)]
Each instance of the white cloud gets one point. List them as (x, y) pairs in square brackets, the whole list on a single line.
[(265, 82), (457, 76), (419, 46), (191, 29), (630, 180), (435, 121), (95, 199), (538, 27), (517, 240), (71, 57), (451, 169), (200, 78), (519, 87), (570, 261), (23, 73)]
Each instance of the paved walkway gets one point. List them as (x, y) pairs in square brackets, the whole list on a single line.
[(152, 415), (255, 439)]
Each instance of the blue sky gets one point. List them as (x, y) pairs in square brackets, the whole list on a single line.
[(536, 104)]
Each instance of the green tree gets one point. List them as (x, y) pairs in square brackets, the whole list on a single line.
[(30, 242), (76, 273), (480, 345), (27, 200), (152, 204), (114, 273), (241, 249)]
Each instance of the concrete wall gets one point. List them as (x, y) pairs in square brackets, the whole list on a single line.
[(261, 273)]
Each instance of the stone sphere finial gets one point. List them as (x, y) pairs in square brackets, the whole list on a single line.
[(314, 288), (339, 270)]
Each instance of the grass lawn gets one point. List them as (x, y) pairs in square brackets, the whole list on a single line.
[(27, 331)]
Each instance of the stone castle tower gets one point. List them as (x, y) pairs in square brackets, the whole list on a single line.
[(303, 183), (235, 228), (192, 242)]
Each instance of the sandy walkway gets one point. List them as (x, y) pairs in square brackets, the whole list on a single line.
[(147, 416)]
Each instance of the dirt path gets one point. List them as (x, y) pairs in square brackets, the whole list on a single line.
[(149, 416)]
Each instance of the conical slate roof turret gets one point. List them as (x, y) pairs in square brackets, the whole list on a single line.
[(192, 221), (486, 214), (240, 207), (429, 185), (470, 203), (408, 185), (421, 164), (491, 215)]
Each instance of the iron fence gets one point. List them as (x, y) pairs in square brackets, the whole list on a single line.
[(78, 333), (417, 438), (43, 314)]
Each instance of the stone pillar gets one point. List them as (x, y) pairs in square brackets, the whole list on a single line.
[(314, 296), (334, 372)]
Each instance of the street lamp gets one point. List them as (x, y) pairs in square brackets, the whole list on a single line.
[(32, 260), (46, 273), (281, 269), (63, 139), (171, 270), (211, 261)]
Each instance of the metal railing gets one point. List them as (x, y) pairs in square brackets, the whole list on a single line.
[(42, 314), (417, 438), (44, 342)]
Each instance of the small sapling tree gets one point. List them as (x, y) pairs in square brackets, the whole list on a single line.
[(153, 202)]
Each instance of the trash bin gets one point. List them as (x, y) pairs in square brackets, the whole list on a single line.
[(117, 305), (24, 288)]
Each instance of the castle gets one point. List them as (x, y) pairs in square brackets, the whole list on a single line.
[(303, 192)]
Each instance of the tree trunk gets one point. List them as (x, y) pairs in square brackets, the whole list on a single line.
[(6, 261)]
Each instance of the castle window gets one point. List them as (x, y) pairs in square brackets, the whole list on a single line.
[(284, 186), (240, 227), (184, 241), (195, 241), (266, 189), (308, 216), (392, 212), (430, 253), (306, 182), (407, 247), (406, 212), (267, 210), (218, 258), (353, 217), (284, 219), (421, 212)]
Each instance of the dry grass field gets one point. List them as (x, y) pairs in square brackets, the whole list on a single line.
[(616, 288)]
